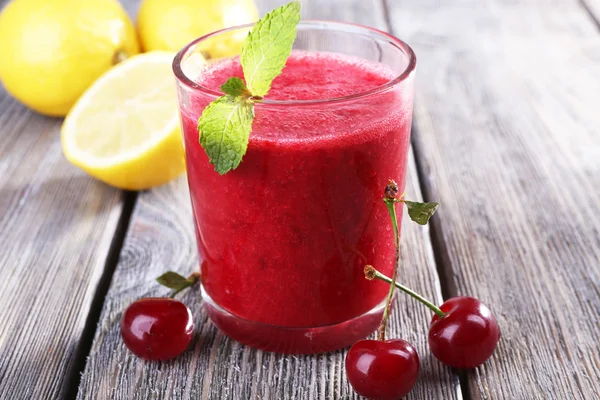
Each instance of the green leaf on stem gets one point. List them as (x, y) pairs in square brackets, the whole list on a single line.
[(174, 281), (420, 212)]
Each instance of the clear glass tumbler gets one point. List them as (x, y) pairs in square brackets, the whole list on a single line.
[(283, 239)]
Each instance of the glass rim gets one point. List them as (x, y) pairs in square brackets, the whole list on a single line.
[(399, 44)]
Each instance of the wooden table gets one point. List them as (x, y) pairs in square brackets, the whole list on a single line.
[(506, 136)]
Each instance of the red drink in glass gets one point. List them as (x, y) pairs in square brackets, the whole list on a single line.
[(283, 239)]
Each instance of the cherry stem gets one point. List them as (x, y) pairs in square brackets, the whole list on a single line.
[(390, 192), (192, 279), (372, 273)]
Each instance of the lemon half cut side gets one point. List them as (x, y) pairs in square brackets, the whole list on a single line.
[(125, 129)]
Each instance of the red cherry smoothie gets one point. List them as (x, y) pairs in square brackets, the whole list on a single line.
[(283, 239)]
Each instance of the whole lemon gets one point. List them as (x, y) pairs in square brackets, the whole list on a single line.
[(171, 24), (52, 51)]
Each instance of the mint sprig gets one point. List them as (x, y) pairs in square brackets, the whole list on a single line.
[(226, 123)]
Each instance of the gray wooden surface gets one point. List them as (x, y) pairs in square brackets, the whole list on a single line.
[(56, 226), (162, 236), (215, 367), (506, 136)]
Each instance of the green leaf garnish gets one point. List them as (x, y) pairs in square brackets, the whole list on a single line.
[(420, 212), (225, 127), (226, 123), (268, 46), (235, 87)]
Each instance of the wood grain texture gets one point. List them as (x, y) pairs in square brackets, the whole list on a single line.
[(215, 367), (56, 227), (161, 237), (507, 137)]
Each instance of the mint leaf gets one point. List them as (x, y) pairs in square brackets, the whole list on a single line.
[(268, 46), (226, 123), (235, 87), (420, 212), (225, 127), (173, 280)]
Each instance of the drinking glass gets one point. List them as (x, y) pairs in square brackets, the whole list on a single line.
[(283, 239)]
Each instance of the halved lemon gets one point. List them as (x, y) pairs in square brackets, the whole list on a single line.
[(125, 130)]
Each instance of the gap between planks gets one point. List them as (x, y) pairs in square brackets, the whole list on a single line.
[(442, 260), (73, 376)]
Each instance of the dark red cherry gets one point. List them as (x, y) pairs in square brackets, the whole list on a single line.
[(382, 370), (466, 336), (157, 328)]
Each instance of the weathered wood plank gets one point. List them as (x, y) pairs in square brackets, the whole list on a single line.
[(161, 237), (507, 137), (56, 227)]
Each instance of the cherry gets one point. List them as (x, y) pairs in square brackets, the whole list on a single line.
[(463, 332), (466, 336), (382, 369), (157, 328)]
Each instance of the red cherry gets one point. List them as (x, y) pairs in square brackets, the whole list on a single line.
[(157, 328), (466, 336), (382, 370)]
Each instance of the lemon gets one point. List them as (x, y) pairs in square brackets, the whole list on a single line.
[(171, 24), (124, 130), (51, 51)]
